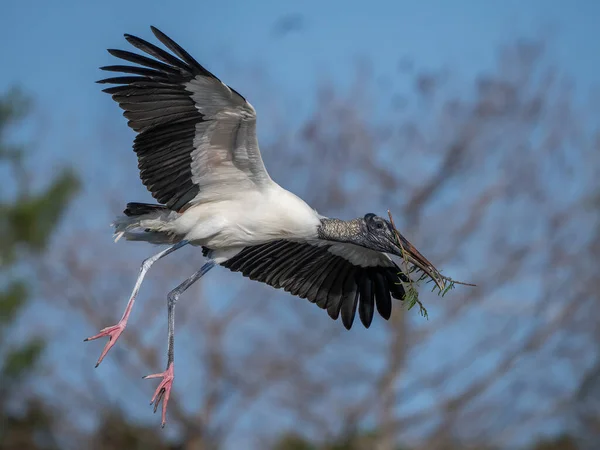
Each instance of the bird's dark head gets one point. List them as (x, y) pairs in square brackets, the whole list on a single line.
[(379, 234), (376, 233)]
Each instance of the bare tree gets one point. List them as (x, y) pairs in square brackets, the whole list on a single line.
[(491, 183)]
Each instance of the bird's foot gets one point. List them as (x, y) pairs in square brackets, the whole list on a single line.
[(113, 334), (163, 391)]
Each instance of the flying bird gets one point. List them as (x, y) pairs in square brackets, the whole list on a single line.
[(198, 155)]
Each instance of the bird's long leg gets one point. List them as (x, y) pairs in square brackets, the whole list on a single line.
[(163, 391), (113, 332)]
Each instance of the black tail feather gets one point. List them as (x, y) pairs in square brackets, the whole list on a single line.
[(138, 209)]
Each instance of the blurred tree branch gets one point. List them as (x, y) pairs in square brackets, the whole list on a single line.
[(492, 184)]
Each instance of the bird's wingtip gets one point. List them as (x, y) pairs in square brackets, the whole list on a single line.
[(155, 31)]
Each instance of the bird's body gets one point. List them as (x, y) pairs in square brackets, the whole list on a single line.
[(199, 157), (254, 216)]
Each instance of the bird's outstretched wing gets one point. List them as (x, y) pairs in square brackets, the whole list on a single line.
[(196, 136), (326, 275)]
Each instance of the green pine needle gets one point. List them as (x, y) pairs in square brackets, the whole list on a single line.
[(411, 296)]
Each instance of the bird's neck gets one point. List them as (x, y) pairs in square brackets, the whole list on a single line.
[(340, 230)]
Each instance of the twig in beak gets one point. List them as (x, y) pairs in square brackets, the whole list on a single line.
[(420, 262), (417, 260)]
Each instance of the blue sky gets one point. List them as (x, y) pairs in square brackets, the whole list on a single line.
[(53, 50)]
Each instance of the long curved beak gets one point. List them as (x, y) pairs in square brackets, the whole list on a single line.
[(408, 252)]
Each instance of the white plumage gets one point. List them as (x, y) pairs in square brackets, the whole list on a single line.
[(255, 216)]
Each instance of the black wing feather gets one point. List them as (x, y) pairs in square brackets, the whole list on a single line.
[(340, 293), (136, 71), (383, 298), (395, 283), (176, 48), (153, 95), (158, 53), (330, 281), (144, 61), (348, 310), (366, 307)]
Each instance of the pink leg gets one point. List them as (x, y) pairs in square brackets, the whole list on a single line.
[(115, 331), (113, 334), (163, 391)]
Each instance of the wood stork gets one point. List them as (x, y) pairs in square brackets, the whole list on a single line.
[(198, 155)]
